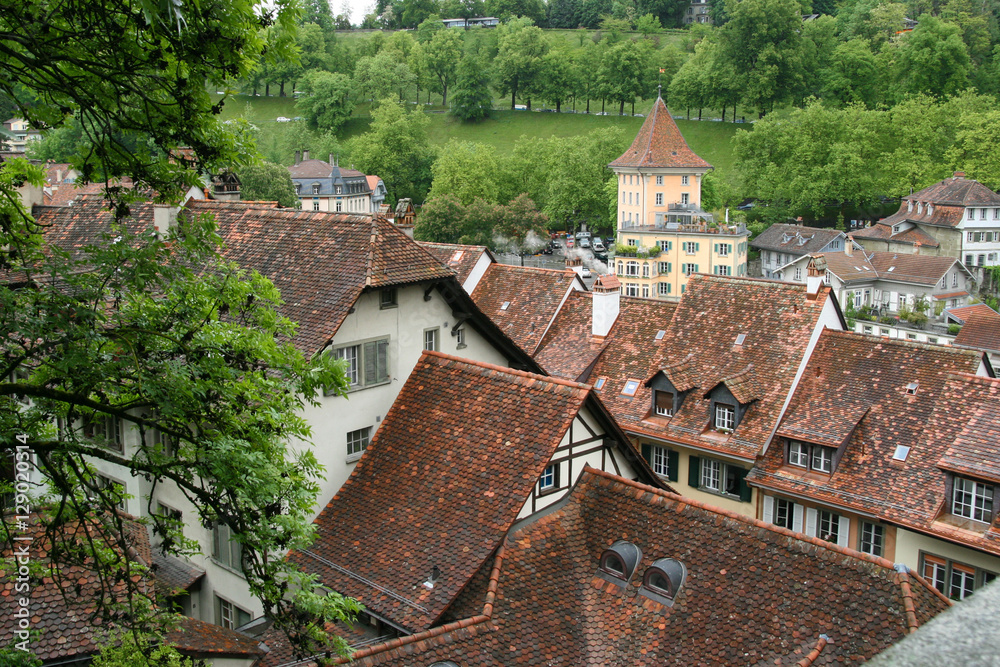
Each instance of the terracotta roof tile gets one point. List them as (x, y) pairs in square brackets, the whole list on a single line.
[(461, 258), (956, 191), (292, 248), (569, 347), (962, 313), (923, 269), (440, 484), (699, 350), (659, 144), (206, 640), (523, 301), (981, 331), (877, 394), (753, 592), (174, 574), (973, 450)]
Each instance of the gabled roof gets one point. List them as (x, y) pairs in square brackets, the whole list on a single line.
[(441, 483), (660, 144), (900, 267), (532, 297), (883, 393), (962, 313), (321, 262), (461, 258), (849, 267), (981, 331), (882, 230), (778, 320), (956, 191), (569, 347), (795, 239), (754, 593)]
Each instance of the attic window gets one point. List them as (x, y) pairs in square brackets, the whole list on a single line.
[(663, 580), (740, 339), (619, 562), (911, 389), (902, 451), (631, 386), (457, 256), (891, 269), (600, 383), (660, 334), (505, 305)]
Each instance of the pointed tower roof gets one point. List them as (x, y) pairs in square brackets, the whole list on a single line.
[(659, 144)]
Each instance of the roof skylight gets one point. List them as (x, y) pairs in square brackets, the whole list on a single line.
[(505, 305), (911, 388), (740, 339), (660, 334), (902, 451)]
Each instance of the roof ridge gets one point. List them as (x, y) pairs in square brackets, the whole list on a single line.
[(551, 379), (742, 518), (854, 335)]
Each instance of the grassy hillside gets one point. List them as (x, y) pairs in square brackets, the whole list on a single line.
[(710, 139)]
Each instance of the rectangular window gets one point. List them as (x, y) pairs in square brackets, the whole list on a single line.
[(798, 274), (357, 442), (685, 197), (660, 461), (339, 206), (664, 403), (431, 339), (821, 459), (872, 539), (784, 513), (315, 204), (934, 571), (549, 479), (631, 268), (723, 270), (315, 188), (690, 268), (725, 416), (645, 269), (711, 474), (663, 289), (972, 500), (659, 181), (982, 214), (814, 457), (107, 431), (723, 249), (460, 338), (388, 298), (226, 549), (663, 267), (114, 489), (690, 247), (963, 577), (829, 527), (798, 454), (229, 615), (367, 363), (954, 279), (685, 180), (645, 291), (659, 199), (631, 289)]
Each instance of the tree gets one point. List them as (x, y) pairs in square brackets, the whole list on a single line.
[(518, 222), (377, 77), (159, 333), (441, 220), (559, 76), (416, 11), (621, 73), (326, 103), (852, 74), (647, 25), (472, 100), (396, 148), (933, 60), (444, 53), (268, 182), (763, 42), (576, 169), (466, 170), (520, 48), (318, 12)]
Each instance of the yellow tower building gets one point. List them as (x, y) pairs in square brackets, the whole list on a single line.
[(663, 234)]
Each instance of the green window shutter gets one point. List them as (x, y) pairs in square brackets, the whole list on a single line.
[(673, 462), (647, 452), (697, 247), (745, 491), (716, 248), (696, 268), (670, 245), (694, 471), (684, 269), (668, 288), (670, 267)]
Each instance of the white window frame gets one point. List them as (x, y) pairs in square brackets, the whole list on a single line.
[(226, 549), (659, 461), (690, 248), (432, 339), (725, 416), (685, 180), (871, 538), (548, 479), (972, 500), (632, 269), (659, 199), (356, 355), (659, 181), (685, 198), (228, 613), (357, 442)]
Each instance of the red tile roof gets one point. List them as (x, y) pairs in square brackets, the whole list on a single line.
[(962, 313), (795, 239), (461, 258), (569, 347), (292, 248), (441, 483), (754, 593), (199, 639), (981, 331), (699, 351), (855, 388), (923, 269), (974, 443), (955, 191), (659, 144), (533, 296)]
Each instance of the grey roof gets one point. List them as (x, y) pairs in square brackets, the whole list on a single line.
[(795, 239), (966, 634), (309, 172)]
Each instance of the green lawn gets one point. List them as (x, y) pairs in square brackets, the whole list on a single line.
[(709, 139)]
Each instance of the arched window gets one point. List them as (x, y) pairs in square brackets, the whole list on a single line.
[(619, 562), (663, 580)]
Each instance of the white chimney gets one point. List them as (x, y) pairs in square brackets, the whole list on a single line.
[(575, 262), (607, 304), (849, 246), (815, 272), (305, 154), (164, 218)]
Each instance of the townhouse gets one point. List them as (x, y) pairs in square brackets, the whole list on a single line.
[(782, 244)]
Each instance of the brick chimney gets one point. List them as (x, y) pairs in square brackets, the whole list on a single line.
[(606, 304), (298, 157), (959, 174), (815, 272), (575, 262)]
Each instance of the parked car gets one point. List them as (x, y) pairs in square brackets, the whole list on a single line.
[(283, 119), (585, 272), (598, 245), (585, 242), (569, 243), (609, 241)]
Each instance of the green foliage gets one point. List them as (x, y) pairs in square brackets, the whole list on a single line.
[(510, 228), (124, 650), (647, 24), (396, 149), (466, 171), (520, 49), (953, 329), (444, 52), (933, 60), (381, 75), (326, 104), (268, 182), (472, 100), (13, 657)]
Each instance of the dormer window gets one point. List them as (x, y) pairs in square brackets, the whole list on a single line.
[(972, 499), (316, 187), (725, 417), (663, 404), (619, 562), (911, 389), (663, 581), (920, 208), (816, 458), (909, 206)]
